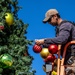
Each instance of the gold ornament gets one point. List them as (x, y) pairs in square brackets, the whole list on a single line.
[(54, 73), (9, 18), (44, 53)]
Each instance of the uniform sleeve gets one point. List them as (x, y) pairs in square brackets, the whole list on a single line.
[(64, 34)]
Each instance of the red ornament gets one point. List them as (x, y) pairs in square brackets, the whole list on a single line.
[(37, 48), (50, 58), (1, 27), (53, 49)]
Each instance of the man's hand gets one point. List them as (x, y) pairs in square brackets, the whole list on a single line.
[(39, 41)]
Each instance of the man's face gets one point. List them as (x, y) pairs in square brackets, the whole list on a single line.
[(53, 20)]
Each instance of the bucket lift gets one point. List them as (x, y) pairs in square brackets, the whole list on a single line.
[(61, 66), (60, 62)]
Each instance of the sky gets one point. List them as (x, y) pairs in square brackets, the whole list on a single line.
[(33, 12)]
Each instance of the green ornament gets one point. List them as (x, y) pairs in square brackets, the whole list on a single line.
[(6, 61)]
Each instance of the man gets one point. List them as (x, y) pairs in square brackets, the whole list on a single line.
[(65, 33)]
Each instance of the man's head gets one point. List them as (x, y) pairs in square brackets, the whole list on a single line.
[(51, 16)]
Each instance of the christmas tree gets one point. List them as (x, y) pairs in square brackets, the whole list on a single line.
[(14, 56)]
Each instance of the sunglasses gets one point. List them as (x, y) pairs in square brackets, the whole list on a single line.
[(49, 20)]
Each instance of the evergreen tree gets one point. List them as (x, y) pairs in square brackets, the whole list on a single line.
[(14, 56)]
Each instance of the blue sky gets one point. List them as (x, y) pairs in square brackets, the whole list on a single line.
[(33, 13)]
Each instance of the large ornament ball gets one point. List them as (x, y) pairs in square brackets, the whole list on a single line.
[(50, 58), (6, 60), (9, 18), (54, 73), (53, 48), (37, 48), (1, 26), (44, 53)]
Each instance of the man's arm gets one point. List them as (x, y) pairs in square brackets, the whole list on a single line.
[(64, 34)]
